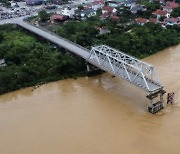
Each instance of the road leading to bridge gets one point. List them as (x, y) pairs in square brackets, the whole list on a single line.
[(70, 46)]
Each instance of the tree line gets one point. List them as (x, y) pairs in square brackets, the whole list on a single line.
[(139, 41), (30, 61)]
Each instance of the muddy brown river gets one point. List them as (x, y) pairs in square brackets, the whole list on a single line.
[(97, 115)]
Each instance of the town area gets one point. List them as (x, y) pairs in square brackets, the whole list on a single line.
[(163, 12)]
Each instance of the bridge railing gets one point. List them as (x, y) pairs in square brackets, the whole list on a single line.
[(120, 64), (54, 34)]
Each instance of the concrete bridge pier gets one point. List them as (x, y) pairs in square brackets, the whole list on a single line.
[(156, 101), (92, 70)]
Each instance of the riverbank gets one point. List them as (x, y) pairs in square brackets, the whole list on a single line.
[(30, 61), (34, 62)]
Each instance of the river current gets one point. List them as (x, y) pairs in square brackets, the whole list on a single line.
[(96, 115)]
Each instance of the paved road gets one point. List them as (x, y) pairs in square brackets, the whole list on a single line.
[(2, 22), (72, 47)]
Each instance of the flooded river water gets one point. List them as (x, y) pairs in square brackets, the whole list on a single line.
[(98, 115)]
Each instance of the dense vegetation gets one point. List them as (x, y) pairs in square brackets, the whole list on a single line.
[(139, 41), (6, 3), (30, 62), (176, 12), (149, 5), (43, 16)]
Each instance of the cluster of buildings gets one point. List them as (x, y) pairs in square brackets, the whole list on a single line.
[(34, 2), (89, 10), (166, 22), (13, 12), (38, 2), (109, 11), (163, 15)]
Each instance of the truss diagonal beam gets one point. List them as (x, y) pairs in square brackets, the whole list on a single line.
[(125, 66)]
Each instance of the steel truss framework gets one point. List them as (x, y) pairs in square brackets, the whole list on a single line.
[(125, 66)]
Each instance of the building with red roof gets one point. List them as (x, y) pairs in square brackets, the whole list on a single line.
[(160, 13), (58, 18), (170, 6), (104, 16), (172, 21), (108, 9), (102, 30), (97, 5), (153, 20), (114, 17), (141, 21), (101, 1)]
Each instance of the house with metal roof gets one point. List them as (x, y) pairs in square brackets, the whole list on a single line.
[(2, 62), (34, 2), (88, 13)]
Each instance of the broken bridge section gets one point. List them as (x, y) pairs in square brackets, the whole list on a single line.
[(129, 68), (125, 66)]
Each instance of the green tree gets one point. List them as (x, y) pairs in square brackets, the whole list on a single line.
[(162, 18), (99, 12), (30, 61), (43, 16), (150, 6), (144, 14), (6, 3), (126, 15), (177, 1), (80, 7), (1, 37), (176, 12)]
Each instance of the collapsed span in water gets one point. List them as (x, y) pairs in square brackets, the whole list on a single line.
[(135, 71)]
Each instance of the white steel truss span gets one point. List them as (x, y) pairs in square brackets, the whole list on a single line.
[(125, 66)]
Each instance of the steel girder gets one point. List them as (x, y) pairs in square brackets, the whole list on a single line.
[(125, 66)]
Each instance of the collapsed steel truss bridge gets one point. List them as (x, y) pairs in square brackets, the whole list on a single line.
[(115, 62), (125, 66)]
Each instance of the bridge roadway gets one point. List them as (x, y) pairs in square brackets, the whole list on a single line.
[(70, 46), (80, 51)]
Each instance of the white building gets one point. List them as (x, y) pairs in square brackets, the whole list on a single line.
[(68, 12), (113, 3), (2, 63), (97, 5)]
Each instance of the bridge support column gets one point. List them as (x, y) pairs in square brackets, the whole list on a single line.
[(156, 101), (92, 70)]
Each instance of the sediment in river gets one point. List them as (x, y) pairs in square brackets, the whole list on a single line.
[(97, 115)]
